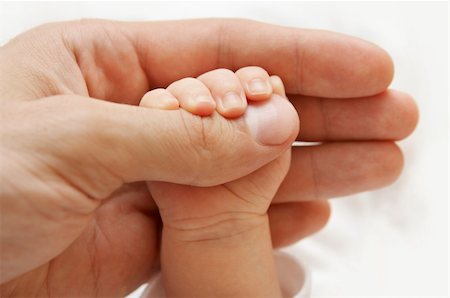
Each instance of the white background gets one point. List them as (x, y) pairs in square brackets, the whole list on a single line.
[(387, 243)]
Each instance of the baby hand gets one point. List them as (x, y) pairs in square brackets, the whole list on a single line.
[(216, 240), (220, 89), (197, 209)]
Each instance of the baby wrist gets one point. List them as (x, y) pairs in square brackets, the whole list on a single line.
[(226, 226)]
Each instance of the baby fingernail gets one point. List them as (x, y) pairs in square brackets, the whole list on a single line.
[(169, 103), (231, 100), (202, 100), (258, 86)]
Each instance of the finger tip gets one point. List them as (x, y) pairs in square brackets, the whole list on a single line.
[(367, 69), (388, 165), (386, 68), (322, 209), (412, 115), (145, 100), (407, 113), (394, 165), (277, 85), (379, 70)]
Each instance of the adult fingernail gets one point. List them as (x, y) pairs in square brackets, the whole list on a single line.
[(258, 86), (272, 122)]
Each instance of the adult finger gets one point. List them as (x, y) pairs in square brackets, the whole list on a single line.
[(310, 62), (290, 222), (98, 145), (391, 115), (120, 61), (339, 169)]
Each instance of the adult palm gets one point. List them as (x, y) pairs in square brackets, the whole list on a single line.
[(97, 232)]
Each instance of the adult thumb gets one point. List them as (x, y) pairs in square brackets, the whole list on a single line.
[(106, 144)]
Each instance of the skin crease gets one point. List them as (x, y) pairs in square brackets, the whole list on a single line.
[(219, 236), (112, 245)]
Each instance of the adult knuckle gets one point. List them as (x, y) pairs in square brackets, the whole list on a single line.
[(206, 140)]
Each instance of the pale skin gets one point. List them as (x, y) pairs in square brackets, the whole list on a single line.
[(216, 240), (77, 218)]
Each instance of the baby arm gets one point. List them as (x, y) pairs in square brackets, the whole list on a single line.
[(216, 241)]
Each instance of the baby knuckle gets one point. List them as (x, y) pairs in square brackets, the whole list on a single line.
[(187, 82), (223, 72), (252, 70)]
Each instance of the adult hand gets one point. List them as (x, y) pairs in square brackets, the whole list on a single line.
[(73, 224)]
